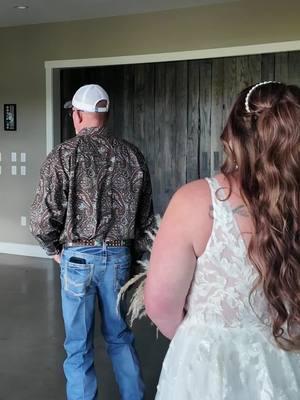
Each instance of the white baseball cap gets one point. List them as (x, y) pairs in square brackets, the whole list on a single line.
[(87, 97)]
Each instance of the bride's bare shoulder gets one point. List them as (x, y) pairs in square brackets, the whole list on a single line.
[(191, 199), (192, 193)]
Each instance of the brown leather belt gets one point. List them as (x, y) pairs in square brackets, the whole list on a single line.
[(94, 242)]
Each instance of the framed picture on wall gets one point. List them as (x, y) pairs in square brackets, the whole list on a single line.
[(10, 117)]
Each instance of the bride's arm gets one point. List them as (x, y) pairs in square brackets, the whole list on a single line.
[(183, 234)]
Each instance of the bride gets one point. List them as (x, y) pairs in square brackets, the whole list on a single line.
[(224, 277)]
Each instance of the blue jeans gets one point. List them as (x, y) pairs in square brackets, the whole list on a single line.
[(88, 273)]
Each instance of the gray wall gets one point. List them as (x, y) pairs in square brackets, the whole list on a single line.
[(25, 49)]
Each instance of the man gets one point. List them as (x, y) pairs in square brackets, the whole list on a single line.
[(91, 212)]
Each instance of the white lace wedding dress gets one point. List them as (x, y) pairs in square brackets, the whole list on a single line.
[(223, 350)]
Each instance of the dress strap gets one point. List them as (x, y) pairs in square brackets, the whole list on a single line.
[(222, 212), (217, 194)]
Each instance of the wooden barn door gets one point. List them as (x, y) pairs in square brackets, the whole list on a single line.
[(175, 111)]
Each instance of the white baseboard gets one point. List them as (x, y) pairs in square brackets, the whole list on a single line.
[(19, 249)]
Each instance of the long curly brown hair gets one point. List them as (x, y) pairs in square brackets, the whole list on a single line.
[(263, 153)]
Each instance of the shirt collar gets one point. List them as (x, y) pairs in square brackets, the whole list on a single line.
[(94, 130)]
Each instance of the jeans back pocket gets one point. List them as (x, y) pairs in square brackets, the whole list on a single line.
[(77, 276)]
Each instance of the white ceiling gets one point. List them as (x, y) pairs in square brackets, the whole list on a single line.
[(43, 11)]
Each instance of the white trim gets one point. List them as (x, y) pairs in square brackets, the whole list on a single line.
[(51, 66), (22, 250), (177, 56)]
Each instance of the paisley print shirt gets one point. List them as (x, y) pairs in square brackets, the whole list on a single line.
[(93, 186)]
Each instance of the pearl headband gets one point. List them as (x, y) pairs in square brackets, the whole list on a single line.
[(252, 90)]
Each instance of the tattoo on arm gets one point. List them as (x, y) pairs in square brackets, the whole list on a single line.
[(241, 210)]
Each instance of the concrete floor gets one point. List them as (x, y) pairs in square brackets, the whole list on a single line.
[(31, 336)]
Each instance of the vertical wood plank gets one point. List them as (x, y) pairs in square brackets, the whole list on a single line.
[(281, 67), (254, 65), (138, 137), (268, 67), (242, 74), (248, 71), (205, 117), (128, 102), (180, 134), (169, 133), (230, 86), (217, 114), (118, 101), (109, 81), (158, 181), (193, 121), (66, 93), (294, 68), (149, 139)]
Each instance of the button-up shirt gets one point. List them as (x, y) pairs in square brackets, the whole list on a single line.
[(93, 186)]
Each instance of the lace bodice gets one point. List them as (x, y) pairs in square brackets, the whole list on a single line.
[(224, 275), (224, 348)]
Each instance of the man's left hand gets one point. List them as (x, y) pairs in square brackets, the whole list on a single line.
[(56, 258)]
